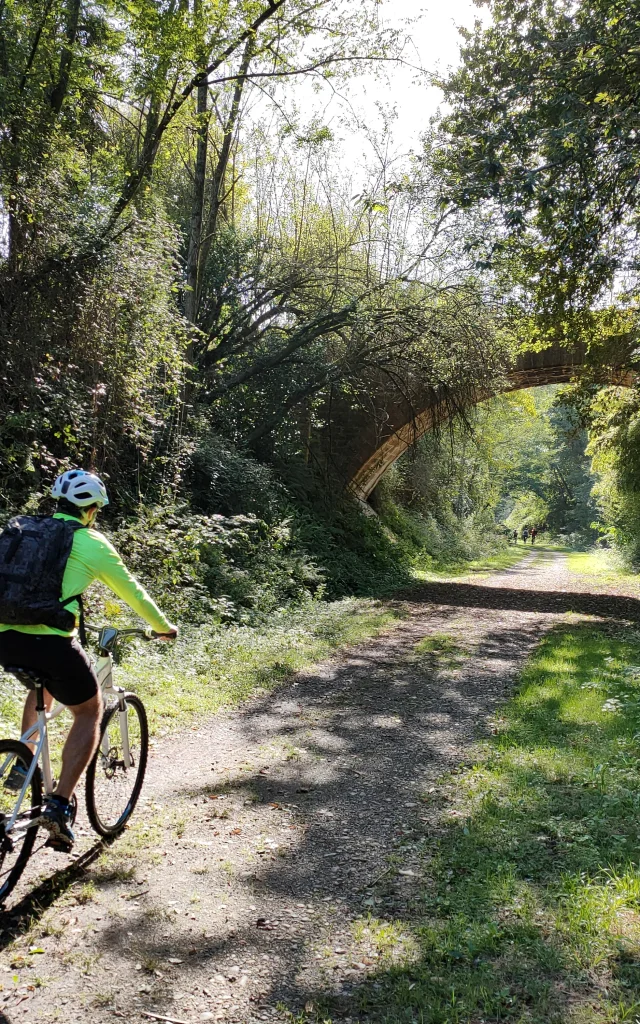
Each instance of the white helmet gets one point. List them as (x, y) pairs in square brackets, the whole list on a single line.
[(80, 488)]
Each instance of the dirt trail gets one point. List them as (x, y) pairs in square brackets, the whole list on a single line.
[(266, 833)]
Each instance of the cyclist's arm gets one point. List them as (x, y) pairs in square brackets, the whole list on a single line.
[(111, 570)]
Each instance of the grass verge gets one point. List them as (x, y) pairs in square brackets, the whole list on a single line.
[(528, 908), (505, 558), (605, 565)]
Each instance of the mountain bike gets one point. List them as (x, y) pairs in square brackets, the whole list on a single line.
[(113, 778)]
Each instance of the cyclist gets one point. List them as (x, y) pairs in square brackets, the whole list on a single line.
[(58, 655)]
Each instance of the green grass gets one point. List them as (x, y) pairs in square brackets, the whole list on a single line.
[(439, 644), (503, 559), (529, 905), (440, 647), (211, 666), (604, 564)]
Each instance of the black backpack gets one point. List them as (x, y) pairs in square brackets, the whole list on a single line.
[(33, 555)]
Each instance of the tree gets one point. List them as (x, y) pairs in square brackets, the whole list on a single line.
[(543, 132), (530, 510), (611, 415), (570, 480), (99, 104), (311, 296)]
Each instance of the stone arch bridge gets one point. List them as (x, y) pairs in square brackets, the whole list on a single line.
[(372, 439)]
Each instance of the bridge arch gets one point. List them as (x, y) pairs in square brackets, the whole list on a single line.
[(373, 455)]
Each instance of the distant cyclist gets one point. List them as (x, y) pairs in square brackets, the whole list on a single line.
[(525, 535), (534, 534), (41, 633)]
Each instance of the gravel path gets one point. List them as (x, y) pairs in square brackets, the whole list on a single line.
[(266, 833)]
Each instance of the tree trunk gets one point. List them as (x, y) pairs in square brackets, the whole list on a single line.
[(199, 181), (59, 91), (220, 171), (197, 207)]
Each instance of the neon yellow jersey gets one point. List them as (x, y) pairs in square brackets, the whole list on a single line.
[(92, 558)]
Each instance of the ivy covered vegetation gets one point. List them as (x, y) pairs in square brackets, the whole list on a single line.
[(195, 299)]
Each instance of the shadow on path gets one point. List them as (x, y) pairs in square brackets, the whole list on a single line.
[(32, 906), (366, 734), (474, 595)]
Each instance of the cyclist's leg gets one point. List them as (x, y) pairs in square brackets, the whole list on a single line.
[(80, 744), (72, 681)]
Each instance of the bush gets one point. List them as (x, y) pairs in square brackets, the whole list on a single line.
[(356, 552), (324, 527), (428, 542), (228, 567), (221, 478)]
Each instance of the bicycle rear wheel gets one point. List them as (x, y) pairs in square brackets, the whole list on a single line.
[(112, 789), (16, 845)]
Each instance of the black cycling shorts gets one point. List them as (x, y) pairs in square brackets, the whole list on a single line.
[(65, 667)]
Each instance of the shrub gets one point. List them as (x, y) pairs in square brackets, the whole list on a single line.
[(228, 567)]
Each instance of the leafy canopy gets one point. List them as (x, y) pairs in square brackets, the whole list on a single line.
[(544, 132)]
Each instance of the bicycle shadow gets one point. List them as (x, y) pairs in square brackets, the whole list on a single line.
[(32, 906)]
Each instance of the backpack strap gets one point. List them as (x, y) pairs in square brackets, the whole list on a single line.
[(82, 629), (16, 534)]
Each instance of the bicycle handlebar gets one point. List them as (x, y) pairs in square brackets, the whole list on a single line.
[(110, 634), (144, 634)]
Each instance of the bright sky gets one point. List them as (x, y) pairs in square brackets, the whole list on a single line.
[(434, 46)]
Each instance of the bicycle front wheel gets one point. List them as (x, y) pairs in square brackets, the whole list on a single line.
[(112, 785), (16, 844)]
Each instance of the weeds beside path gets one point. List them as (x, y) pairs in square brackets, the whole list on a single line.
[(605, 567), (342, 849)]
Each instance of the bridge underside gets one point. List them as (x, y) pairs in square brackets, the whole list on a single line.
[(532, 369)]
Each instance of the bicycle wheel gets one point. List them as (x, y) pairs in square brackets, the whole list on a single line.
[(16, 846), (112, 789)]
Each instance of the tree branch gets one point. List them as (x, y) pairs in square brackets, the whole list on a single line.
[(152, 143), (324, 324)]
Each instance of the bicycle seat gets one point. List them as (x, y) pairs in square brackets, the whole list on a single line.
[(27, 676)]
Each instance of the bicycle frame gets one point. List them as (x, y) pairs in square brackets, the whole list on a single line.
[(104, 672)]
